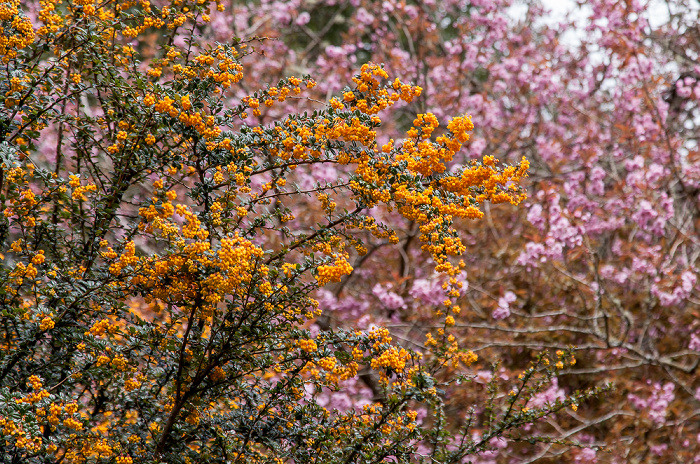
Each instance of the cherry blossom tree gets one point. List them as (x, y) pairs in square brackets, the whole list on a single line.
[(604, 103)]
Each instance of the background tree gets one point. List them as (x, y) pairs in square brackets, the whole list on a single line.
[(603, 102)]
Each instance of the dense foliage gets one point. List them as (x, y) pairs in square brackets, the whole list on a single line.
[(165, 243)]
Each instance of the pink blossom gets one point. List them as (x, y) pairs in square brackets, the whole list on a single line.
[(427, 291), (303, 18), (364, 16), (389, 299), (503, 310), (655, 404), (484, 377), (586, 456), (694, 342), (549, 396)]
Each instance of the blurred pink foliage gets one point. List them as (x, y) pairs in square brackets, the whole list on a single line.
[(605, 254)]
